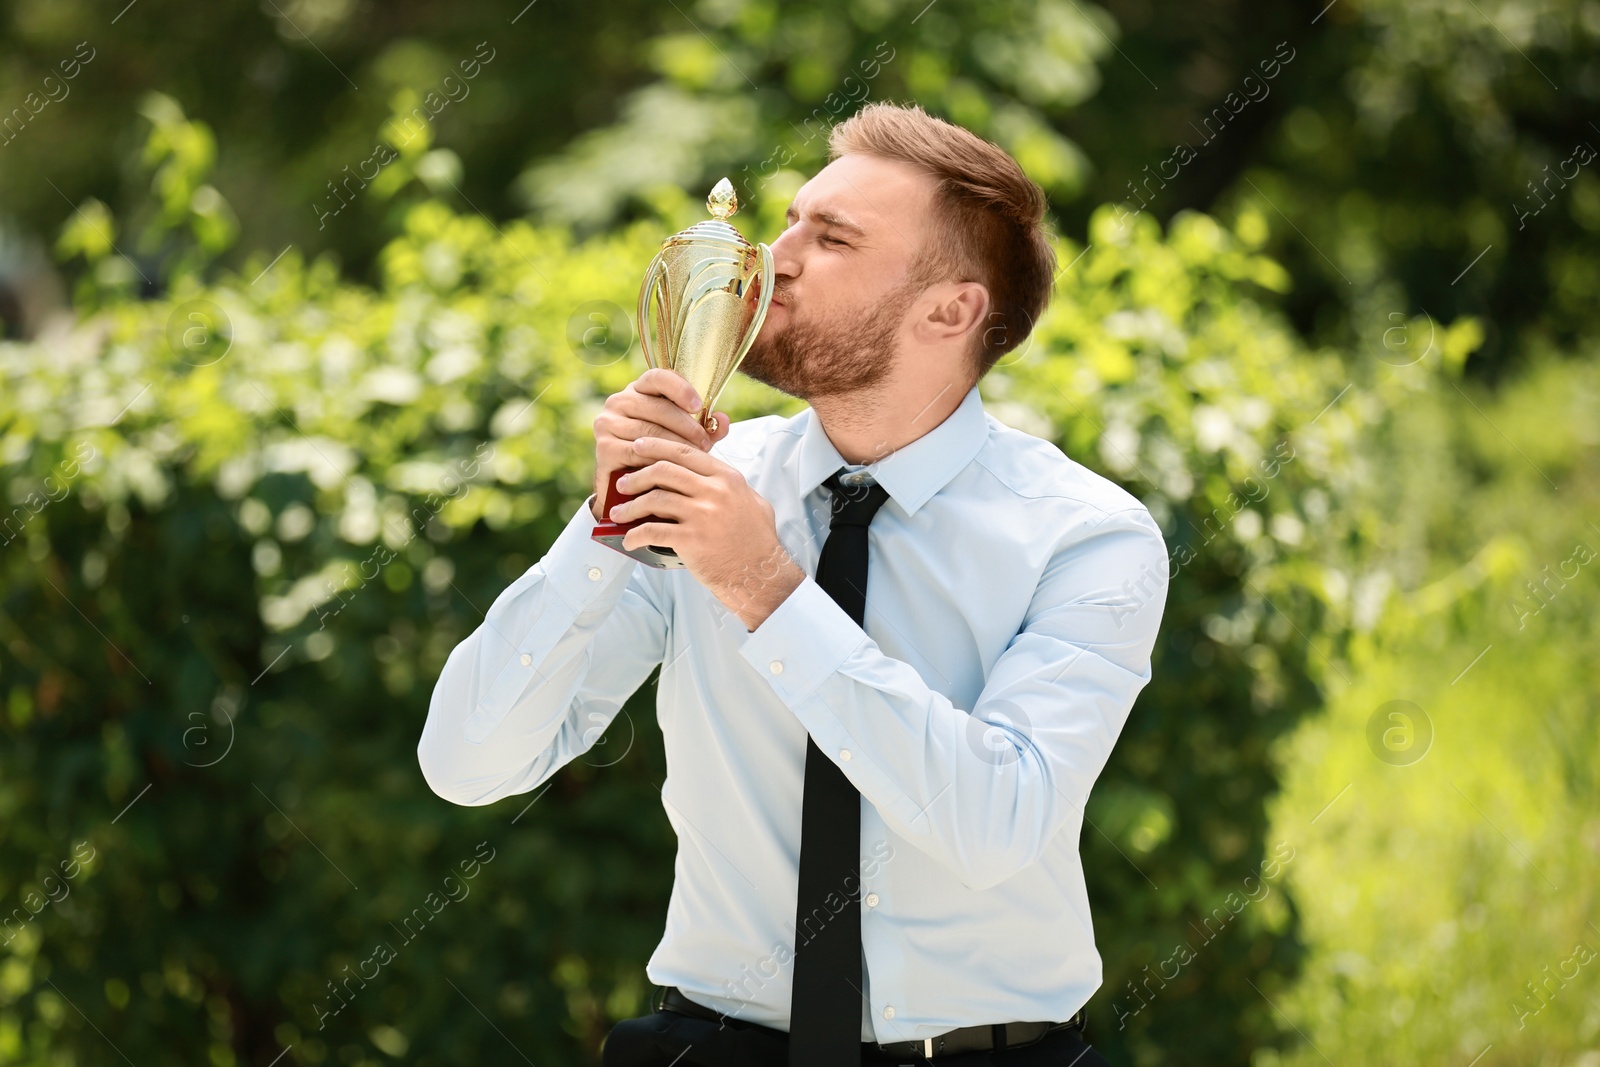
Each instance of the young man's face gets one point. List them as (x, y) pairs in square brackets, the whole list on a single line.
[(842, 288)]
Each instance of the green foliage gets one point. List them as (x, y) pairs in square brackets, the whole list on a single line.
[(182, 153), (998, 68), (1402, 141), (1453, 886)]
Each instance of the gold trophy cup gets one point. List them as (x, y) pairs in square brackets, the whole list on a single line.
[(709, 290)]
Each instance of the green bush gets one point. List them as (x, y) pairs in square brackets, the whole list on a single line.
[(1452, 854)]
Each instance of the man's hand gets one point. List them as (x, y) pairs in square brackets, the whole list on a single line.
[(661, 403), (723, 530)]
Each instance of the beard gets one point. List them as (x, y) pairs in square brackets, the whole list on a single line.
[(841, 353)]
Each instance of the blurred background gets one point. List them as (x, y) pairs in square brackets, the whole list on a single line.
[(309, 306)]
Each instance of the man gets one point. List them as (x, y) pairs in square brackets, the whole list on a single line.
[(878, 803)]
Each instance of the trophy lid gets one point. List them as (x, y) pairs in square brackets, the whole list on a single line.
[(722, 202)]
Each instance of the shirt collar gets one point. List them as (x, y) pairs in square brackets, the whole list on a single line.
[(912, 473)]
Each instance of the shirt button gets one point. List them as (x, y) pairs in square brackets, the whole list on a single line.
[(844, 754), (776, 666), (872, 900), (526, 659), (594, 574), (888, 1011)]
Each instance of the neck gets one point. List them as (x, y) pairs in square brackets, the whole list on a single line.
[(869, 424)]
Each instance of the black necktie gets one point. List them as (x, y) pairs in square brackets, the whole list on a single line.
[(825, 1009)]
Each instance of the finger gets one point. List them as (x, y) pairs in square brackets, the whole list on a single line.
[(614, 452), (658, 411), (661, 503), (688, 432), (659, 381), (664, 534), (662, 474), (647, 450), (724, 424)]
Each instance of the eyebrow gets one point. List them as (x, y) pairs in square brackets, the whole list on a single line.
[(827, 218)]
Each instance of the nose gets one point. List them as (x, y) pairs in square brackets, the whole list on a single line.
[(785, 256)]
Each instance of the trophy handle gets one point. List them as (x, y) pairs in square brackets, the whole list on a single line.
[(652, 276), (763, 302)]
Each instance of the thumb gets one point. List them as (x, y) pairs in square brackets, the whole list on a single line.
[(724, 424)]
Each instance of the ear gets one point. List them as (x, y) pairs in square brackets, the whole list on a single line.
[(953, 309)]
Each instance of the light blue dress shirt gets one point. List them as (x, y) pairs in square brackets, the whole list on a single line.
[(1013, 600)]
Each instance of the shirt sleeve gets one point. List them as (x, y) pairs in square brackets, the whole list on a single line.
[(984, 789), (540, 679)]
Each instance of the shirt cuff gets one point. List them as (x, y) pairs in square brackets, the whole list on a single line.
[(580, 569), (801, 643)]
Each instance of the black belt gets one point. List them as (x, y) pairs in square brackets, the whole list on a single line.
[(983, 1038)]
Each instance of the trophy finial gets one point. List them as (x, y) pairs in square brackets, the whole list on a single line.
[(722, 202)]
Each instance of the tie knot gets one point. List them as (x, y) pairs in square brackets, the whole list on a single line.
[(854, 505)]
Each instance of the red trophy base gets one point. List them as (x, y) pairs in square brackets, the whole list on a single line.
[(611, 533)]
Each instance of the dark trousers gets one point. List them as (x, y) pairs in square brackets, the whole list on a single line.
[(667, 1039)]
